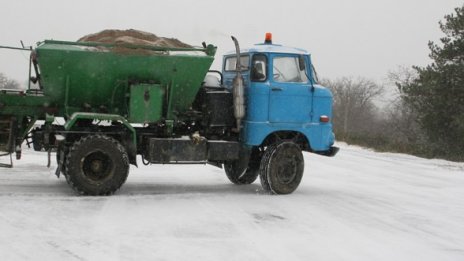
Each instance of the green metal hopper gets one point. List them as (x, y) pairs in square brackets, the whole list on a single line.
[(121, 79)]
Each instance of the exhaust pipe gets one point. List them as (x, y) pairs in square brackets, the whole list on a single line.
[(238, 89)]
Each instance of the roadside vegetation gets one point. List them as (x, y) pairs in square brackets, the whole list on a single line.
[(426, 117)]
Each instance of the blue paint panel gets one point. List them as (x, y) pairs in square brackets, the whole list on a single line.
[(257, 102), (319, 135)]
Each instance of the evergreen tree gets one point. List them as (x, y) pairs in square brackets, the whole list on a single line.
[(437, 94)]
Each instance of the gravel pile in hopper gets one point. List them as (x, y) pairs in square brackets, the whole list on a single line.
[(131, 36)]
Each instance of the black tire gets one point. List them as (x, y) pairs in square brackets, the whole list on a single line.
[(37, 141), (96, 165), (36, 146), (243, 171), (281, 168), (240, 175)]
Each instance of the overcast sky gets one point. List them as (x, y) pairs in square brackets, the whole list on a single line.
[(346, 38)]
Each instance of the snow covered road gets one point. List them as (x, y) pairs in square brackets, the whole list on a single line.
[(359, 205)]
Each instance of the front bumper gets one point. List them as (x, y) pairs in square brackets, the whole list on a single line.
[(329, 153)]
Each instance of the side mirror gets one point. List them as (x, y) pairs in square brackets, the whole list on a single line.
[(301, 62)]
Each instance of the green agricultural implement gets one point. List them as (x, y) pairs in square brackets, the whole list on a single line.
[(85, 83)]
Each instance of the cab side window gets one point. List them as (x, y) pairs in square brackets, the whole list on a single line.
[(231, 63), (287, 69), (259, 68)]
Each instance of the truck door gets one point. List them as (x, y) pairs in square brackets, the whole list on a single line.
[(258, 91), (290, 90)]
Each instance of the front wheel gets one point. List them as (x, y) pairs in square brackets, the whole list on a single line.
[(244, 171), (96, 165), (240, 176), (281, 168)]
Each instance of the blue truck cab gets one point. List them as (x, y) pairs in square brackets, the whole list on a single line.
[(286, 112), (282, 96)]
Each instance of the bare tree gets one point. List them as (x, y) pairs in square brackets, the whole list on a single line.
[(6, 83), (400, 77), (354, 110), (402, 126)]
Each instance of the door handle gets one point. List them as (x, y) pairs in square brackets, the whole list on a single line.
[(276, 89)]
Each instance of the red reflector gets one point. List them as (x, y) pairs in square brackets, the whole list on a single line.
[(324, 118)]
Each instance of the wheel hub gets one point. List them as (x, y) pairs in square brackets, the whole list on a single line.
[(97, 166), (287, 170)]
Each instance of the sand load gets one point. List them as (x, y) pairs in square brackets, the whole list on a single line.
[(134, 37)]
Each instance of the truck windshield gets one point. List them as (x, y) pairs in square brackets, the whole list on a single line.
[(287, 69), (231, 63)]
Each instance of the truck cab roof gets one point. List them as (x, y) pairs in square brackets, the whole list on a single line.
[(271, 48)]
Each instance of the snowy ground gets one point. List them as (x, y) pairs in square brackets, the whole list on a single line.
[(360, 205)]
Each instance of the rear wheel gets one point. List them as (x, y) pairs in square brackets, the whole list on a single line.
[(281, 168), (96, 165), (37, 140)]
